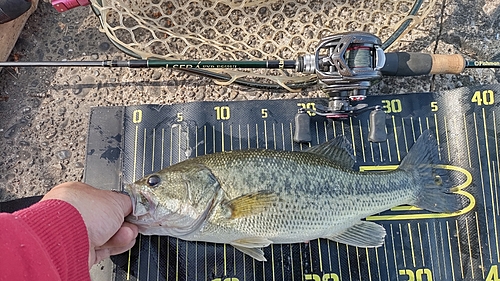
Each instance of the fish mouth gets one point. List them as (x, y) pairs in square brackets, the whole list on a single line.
[(142, 204)]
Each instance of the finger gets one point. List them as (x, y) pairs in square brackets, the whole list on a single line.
[(126, 233), (107, 252), (123, 201)]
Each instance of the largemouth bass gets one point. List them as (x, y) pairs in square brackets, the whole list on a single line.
[(256, 197)]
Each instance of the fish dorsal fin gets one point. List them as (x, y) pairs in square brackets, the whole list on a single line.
[(252, 246), (249, 204), (363, 234), (338, 150)]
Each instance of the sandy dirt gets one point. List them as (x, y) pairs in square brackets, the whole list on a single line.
[(44, 112)]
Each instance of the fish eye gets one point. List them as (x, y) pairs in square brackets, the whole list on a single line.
[(154, 180)]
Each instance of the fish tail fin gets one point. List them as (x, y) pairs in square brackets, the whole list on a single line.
[(435, 193)]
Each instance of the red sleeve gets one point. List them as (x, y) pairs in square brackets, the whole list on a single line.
[(47, 241)]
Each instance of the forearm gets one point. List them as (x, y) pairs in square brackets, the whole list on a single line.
[(47, 241)]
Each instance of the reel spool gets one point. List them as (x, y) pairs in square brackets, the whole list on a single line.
[(345, 64)]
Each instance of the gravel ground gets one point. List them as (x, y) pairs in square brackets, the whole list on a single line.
[(44, 120)]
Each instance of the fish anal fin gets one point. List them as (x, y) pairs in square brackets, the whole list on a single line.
[(249, 204), (338, 150), (363, 234), (252, 246)]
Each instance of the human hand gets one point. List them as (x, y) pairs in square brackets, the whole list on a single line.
[(103, 212)]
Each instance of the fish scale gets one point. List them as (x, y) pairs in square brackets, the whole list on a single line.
[(253, 198)]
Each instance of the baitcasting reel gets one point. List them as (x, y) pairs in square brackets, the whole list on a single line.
[(345, 64)]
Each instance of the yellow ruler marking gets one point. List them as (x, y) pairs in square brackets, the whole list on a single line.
[(352, 136), (225, 260), (447, 140), (291, 136), (144, 151), (482, 184), (404, 133), (265, 133), (444, 257), (272, 262), (437, 248), (498, 162), (153, 151), (467, 141), (491, 180), (222, 136), (310, 256), (459, 249), (402, 244), (317, 133), (257, 135), (326, 131), (301, 261), (329, 255), (283, 135), (394, 129), (171, 146), (248, 136), (348, 261), (421, 246), (186, 261), (205, 139), (139, 257), (291, 261), (274, 136), (437, 135), (135, 152), (393, 249), (231, 137), (179, 134), (163, 146), (413, 129), (388, 147), (412, 246), (430, 247), (320, 256), (239, 135), (368, 265), (282, 263), (176, 260), (495, 183), (338, 257), (449, 246), (479, 242), (386, 262), (158, 258), (362, 141), (149, 256), (213, 140), (334, 130), (359, 262), (469, 245)]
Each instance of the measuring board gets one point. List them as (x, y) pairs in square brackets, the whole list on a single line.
[(126, 143)]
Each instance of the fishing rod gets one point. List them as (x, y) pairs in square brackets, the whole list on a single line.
[(345, 65)]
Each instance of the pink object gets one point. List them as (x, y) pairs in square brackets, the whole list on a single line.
[(64, 5)]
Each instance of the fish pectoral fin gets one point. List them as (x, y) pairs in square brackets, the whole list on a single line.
[(363, 234), (255, 253), (249, 204), (252, 246)]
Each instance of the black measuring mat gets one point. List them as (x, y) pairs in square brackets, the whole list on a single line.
[(126, 143)]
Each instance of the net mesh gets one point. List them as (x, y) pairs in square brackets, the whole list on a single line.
[(245, 30)]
